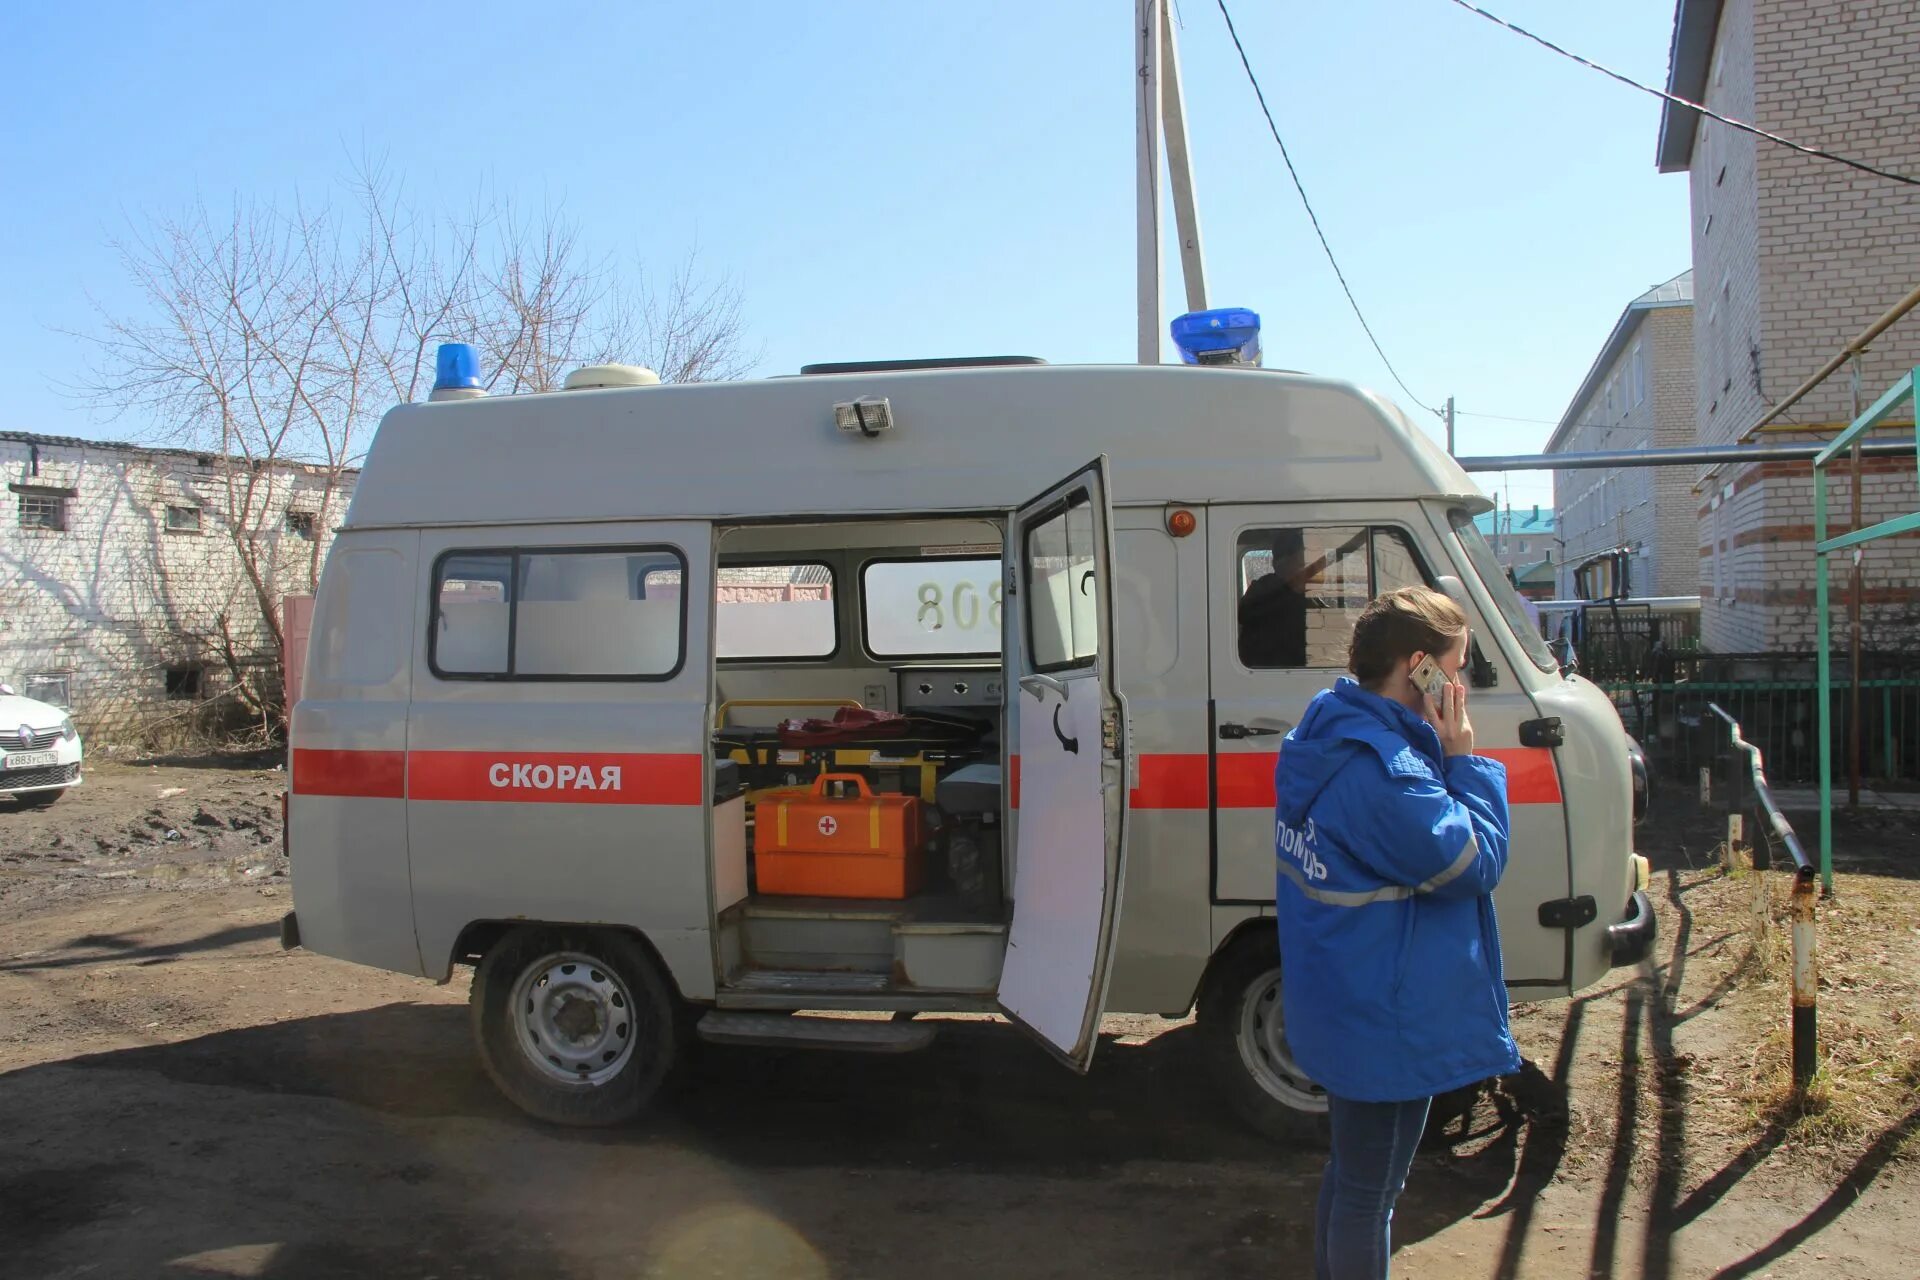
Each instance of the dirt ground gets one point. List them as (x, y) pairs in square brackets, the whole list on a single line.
[(181, 1098)]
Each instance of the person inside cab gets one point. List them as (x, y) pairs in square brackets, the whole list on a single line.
[(1273, 609), (1390, 836)]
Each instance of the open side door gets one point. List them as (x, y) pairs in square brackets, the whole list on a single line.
[(1070, 778)]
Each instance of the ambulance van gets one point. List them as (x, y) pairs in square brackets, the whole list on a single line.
[(585, 665)]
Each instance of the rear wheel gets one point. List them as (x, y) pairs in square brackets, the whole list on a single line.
[(1244, 1032), (576, 1026)]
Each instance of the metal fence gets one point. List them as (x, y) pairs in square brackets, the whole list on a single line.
[(1775, 698), (1621, 639)]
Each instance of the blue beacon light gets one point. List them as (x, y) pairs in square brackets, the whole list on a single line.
[(1224, 335), (456, 367)]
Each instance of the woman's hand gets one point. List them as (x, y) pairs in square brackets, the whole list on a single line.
[(1449, 718)]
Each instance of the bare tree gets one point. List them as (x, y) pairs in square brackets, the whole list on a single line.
[(273, 337)]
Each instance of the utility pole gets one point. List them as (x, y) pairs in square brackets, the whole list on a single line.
[(1147, 28), (1186, 217), (1450, 426), (1160, 109)]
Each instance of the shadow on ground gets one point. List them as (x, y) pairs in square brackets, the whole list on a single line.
[(1655, 1008), (119, 948), (913, 1164)]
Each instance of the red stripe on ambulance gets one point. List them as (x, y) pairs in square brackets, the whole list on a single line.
[(1179, 781), (1168, 781), (1246, 778), (370, 775), (1171, 782), (1531, 776), (556, 777)]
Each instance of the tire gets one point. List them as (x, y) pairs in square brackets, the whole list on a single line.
[(1245, 1044), (576, 1026), (37, 799)]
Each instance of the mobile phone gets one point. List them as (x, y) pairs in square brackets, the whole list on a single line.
[(1430, 677)]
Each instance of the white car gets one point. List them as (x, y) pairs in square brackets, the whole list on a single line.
[(39, 749)]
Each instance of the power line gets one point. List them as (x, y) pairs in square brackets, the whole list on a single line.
[(1315, 218), (1501, 417), (1679, 101)]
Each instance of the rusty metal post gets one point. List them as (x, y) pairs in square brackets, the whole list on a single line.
[(1806, 980), (1806, 875)]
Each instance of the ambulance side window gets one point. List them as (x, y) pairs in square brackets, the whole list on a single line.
[(576, 615), (588, 614), (774, 612), (931, 607), (1302, 589), (1062, 617), (362, 638), (472, 615)]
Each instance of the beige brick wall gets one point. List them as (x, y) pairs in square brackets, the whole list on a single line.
[(117, 599), (1837, 247), (1602, 509), (1676, 532), (1800, 256), (1728, 316)]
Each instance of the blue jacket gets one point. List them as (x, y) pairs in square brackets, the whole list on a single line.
[(1388, 852)]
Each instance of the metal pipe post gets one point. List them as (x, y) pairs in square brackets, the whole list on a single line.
[(1806, 984)]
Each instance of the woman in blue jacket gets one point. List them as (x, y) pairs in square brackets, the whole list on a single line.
[(1390, 835)]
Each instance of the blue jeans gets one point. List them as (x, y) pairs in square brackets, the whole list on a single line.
[(1373, 1145)]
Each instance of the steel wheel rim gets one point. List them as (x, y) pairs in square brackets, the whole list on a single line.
[(1262, 1040), (573, 1018)]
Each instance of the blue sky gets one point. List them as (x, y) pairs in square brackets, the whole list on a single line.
[(894, 179)]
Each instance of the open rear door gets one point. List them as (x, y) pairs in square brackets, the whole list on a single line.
[(1070, 777)]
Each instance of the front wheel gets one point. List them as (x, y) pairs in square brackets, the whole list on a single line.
[(1244, 1033), (575, 1026)]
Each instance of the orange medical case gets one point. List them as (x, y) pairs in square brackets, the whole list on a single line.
[(810, 843)]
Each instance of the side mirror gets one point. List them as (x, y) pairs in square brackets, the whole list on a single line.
[(1563, 651)]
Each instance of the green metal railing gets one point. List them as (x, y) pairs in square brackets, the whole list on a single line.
[(1779, 716), (1823, 546)]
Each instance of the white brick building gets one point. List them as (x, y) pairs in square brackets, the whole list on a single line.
[(1637, 395), (1792, 257), (118, 565)]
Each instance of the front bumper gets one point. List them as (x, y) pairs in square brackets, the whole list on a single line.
[(1629, 941), (64, 772)]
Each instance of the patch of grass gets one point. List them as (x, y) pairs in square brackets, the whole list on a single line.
[(1863, 1089), (1869, 1018)]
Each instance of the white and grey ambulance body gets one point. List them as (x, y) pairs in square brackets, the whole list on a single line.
[(536, 669)]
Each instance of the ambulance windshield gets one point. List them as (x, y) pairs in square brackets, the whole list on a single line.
[(1486, 566)]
